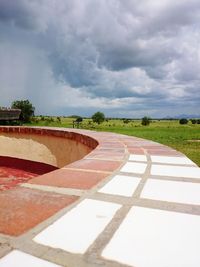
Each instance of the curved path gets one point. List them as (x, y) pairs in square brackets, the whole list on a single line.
[(129, 202)]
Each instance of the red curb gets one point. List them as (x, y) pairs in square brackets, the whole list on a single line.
[(69, 179)]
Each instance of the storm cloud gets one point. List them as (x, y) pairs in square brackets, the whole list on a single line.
[(127, 58)]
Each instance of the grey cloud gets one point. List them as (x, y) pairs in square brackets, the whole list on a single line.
[(25, 14), (17, 12)]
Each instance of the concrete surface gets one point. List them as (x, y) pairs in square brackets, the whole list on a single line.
[(129, 202)]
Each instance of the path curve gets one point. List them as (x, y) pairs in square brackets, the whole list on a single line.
[(129, 202)]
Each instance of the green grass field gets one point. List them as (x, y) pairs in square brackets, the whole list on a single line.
[(184, 138)]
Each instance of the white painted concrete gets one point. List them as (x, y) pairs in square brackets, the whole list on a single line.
[(78, 229), (172, 191), (135, 157), (17, 258), (171, 160), (121, 185), (150, 237), (133, 167), (175, 171)]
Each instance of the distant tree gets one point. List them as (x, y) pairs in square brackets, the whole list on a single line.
[(79, 119), (146, 121), (98, 117), (198, 121), (126, 121), (59, 119), (183, 121), (27, 109), (194, 121)]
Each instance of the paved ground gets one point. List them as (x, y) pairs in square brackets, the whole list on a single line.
[(130, 202)]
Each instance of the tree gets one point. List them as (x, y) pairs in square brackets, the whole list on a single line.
[(126, 121), (27, 109), (59, 119), (183, 121), (79, 119), (146, 121), (194, 121), (98, 117)]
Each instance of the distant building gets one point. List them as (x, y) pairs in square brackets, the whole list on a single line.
[(8, 114)]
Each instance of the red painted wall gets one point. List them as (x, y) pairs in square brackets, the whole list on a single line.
[(26, 165)]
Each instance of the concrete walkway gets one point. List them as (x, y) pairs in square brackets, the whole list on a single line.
[(130, 202)]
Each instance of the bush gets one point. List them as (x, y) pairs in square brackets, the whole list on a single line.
[(146, 121), (98, 117), (183, 121), (34, 120), (27, 109), (42, 118)]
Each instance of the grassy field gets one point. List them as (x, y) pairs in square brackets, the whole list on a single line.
[(183, 138)]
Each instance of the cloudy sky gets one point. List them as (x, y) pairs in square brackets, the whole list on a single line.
[(127, 58)]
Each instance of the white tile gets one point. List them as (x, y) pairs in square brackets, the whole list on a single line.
[(176, 171), (134, 167), (17, 258), (135, 157), (150, 237), (172, 191), (171, 160), (121, 185), (77, 230)]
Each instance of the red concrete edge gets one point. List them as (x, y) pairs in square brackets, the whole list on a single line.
[(65, 133)]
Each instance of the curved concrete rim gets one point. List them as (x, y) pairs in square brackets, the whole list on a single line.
[(126, 193)]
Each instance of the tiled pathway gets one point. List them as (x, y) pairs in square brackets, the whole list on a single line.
[(130, 202)]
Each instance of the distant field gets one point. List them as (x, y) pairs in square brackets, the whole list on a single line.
[(184, 138)]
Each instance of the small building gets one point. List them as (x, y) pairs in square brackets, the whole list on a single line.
[(9, 114)]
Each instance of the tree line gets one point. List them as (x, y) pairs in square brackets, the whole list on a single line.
[(27, 112)]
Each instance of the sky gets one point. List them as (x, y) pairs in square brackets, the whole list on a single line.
[(126, 58)]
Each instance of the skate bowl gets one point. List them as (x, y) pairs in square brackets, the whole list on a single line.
[(54, 147), (115, 193), (28, 152)]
